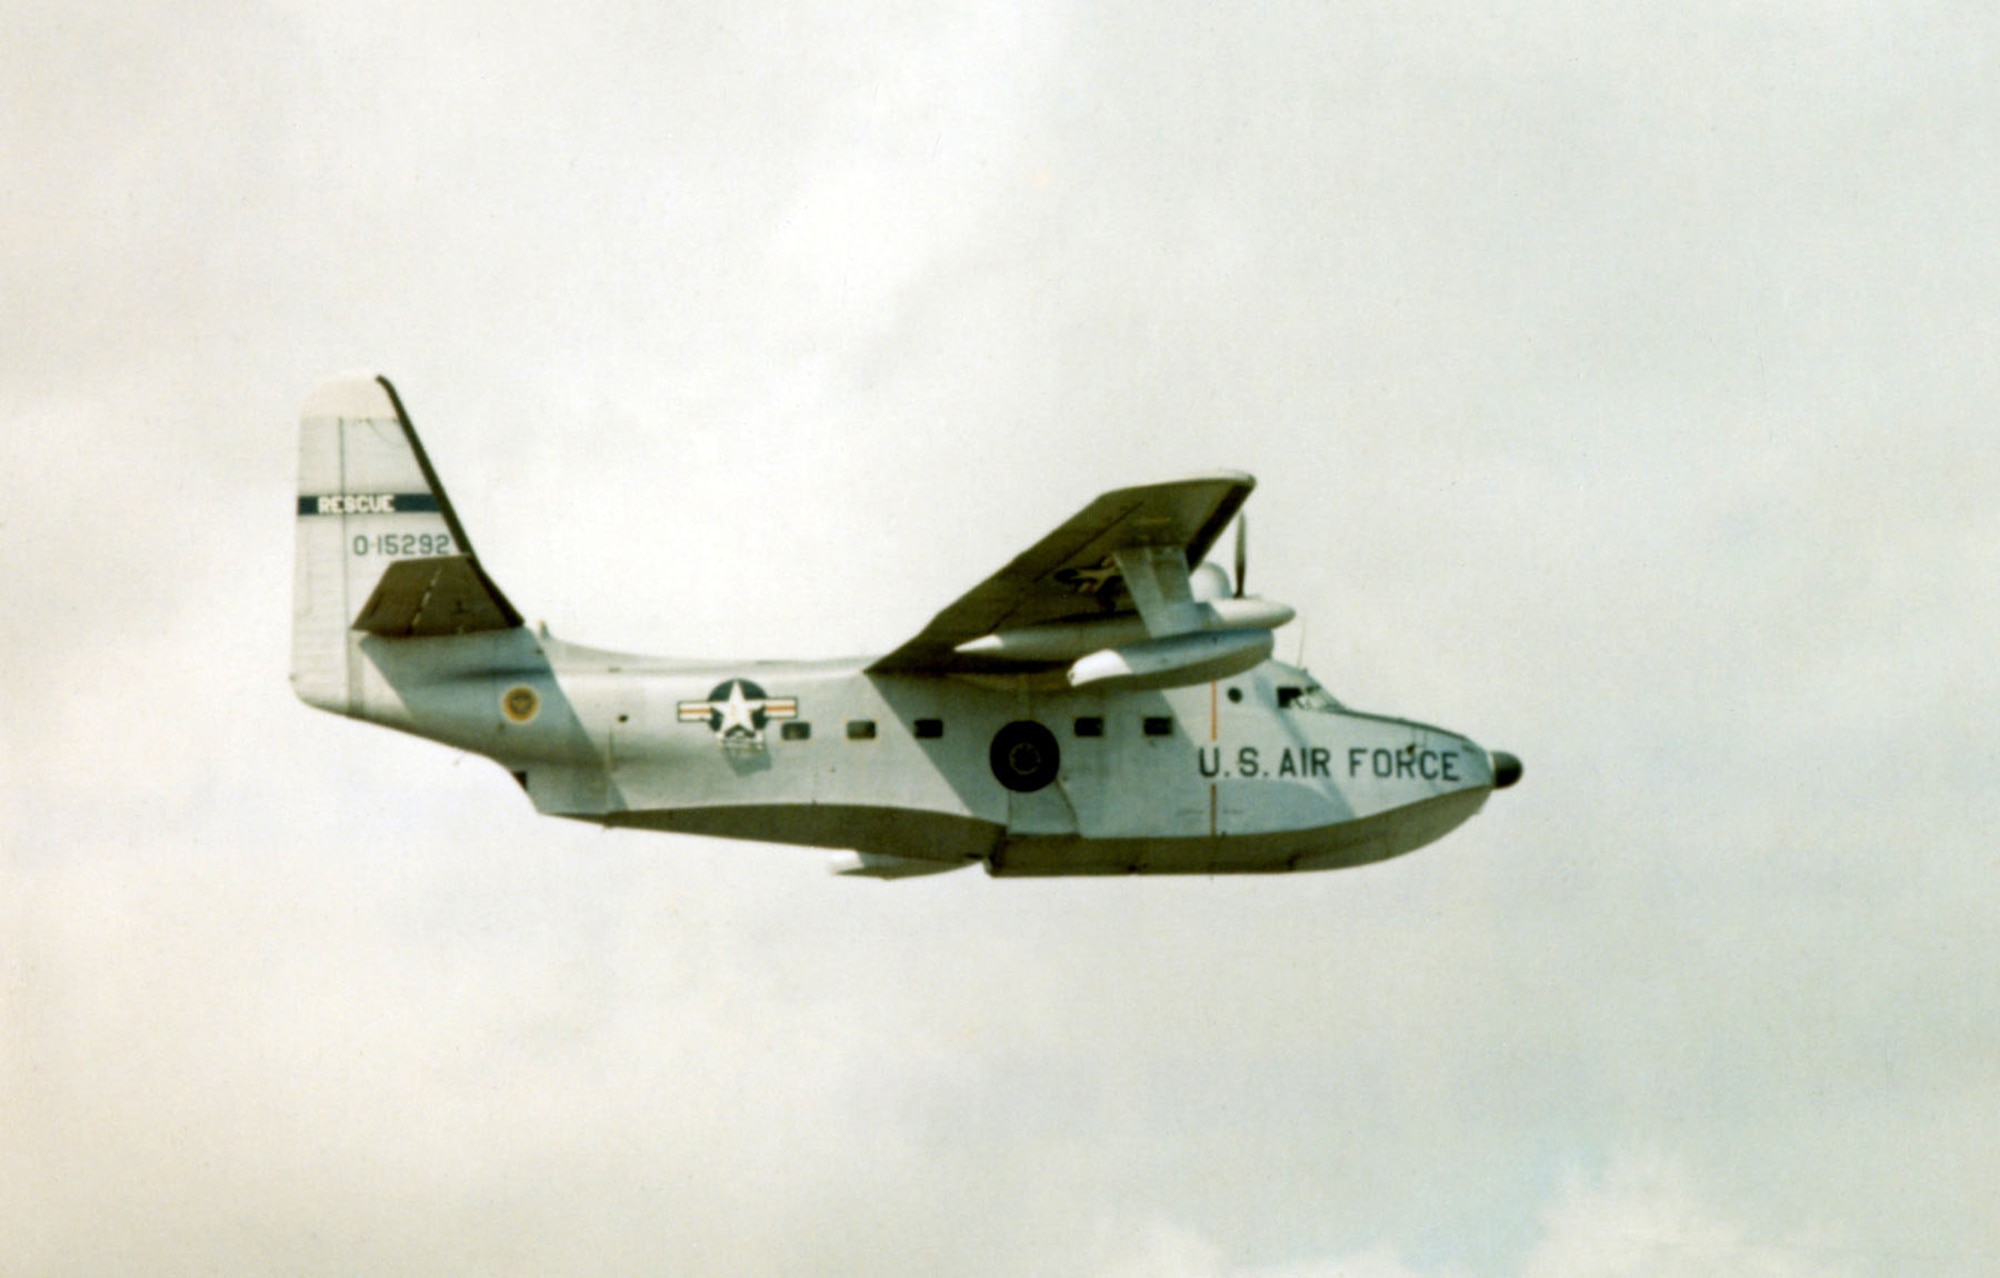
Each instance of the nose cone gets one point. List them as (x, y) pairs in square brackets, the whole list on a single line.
[(1506, 769)]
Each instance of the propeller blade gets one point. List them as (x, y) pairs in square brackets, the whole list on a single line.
[(1242, 551)]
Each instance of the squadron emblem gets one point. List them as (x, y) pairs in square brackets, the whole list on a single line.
[(520, 704), (737, 712)]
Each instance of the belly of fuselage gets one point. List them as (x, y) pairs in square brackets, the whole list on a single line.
[(1361, 841)]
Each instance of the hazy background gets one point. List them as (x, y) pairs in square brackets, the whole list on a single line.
[(1622, 382)]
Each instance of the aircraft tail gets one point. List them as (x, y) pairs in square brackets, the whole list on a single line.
[(380, 551)]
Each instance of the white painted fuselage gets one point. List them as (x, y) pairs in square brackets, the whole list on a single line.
[(1261, 772)]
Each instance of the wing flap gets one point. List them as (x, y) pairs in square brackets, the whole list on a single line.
[(447, 595), (1074, 573)]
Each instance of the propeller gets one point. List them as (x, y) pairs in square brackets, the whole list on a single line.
[(1242, 551)]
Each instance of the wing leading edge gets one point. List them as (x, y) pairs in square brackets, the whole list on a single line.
[(1074, 574)]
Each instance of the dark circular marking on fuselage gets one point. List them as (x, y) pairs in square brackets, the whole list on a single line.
[(1025, 756), (520, 704), (751, 692)]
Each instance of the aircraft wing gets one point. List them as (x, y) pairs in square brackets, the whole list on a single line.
[(1070, 575)]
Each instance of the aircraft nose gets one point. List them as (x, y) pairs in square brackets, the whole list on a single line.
[(1506, 769)]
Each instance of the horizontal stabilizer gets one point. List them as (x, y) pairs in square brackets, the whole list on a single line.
[(448, 595)]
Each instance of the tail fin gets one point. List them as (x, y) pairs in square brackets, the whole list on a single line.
[(380, 550)]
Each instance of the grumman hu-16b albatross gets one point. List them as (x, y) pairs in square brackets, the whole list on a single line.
[(1104, 704)]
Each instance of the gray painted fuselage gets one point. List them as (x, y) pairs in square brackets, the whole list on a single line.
[(1209, 779)]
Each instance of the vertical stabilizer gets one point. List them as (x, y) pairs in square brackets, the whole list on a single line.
[(369, 502)]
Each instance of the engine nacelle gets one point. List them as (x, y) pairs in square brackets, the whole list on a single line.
[(1209, 582), (1175, 661), (1069, 640)]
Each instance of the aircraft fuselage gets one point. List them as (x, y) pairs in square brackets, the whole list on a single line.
[(1260, 772)]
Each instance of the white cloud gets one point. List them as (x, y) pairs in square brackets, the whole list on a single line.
[(1642, 1219), (1161, 1249), (1621, 385)]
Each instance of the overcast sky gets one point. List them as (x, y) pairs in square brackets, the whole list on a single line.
[(1622, 383)]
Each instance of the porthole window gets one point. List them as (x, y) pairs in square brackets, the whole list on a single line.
[(1090, 726), (797, 730), (860, 729), (930, 729), (1159, 726), (1025, 756)]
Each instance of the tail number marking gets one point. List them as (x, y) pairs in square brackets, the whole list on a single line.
[(397, 544)]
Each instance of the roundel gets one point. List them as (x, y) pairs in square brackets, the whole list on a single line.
[(520, 703), (1025, 756), (753, 697)]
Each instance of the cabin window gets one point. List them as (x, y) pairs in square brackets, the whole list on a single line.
[(1159, 726), (1312, 697), (797, 730), (1090, 726), (930, 729), (860, 729), (1235, 695)]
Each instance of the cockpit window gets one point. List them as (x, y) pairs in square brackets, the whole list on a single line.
[(1309, 697)]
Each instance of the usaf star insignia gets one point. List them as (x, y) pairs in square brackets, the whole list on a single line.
[(737, 712)]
